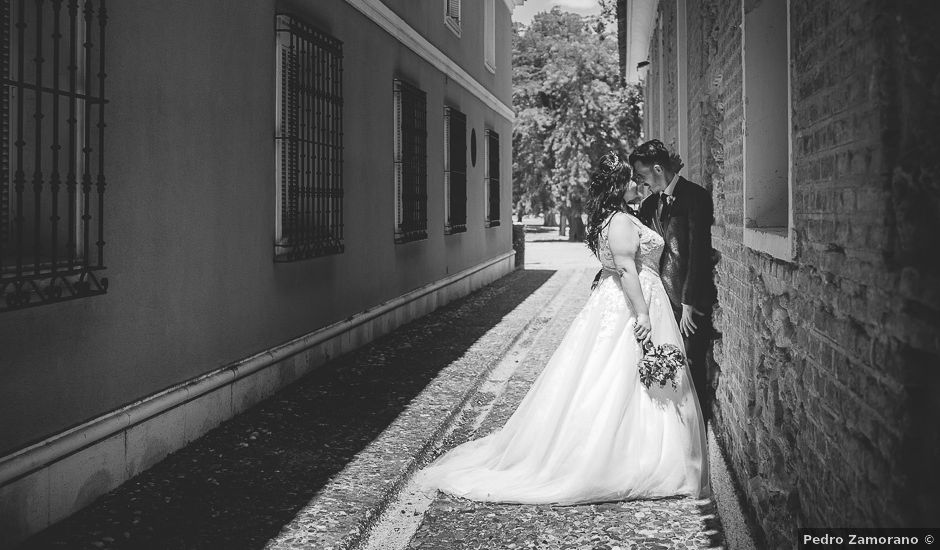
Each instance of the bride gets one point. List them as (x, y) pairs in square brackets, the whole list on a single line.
[(588, 430)]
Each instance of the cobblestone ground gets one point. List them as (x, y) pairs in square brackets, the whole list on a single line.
[(664, 524), (238, 485), (453, 523)]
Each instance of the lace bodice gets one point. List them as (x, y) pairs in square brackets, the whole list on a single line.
[(647, 257)]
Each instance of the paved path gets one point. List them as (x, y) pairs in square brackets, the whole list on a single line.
[(325, 463), (417, 523)]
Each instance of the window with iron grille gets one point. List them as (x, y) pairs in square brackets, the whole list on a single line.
[(452, 15), (309, 141), (52, 182), (491, 181), (455, 171), (411, 162)]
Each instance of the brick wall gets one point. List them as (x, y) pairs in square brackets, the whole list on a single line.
[(694, 165), (827, 379)]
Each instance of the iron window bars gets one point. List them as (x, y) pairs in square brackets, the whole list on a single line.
[(52, 141), (455, 171), (411, 162), (309, 141), (491, 182)]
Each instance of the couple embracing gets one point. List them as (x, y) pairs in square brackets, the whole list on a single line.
[(589, 430)]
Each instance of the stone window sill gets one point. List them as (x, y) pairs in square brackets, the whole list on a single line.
[(772, 240)]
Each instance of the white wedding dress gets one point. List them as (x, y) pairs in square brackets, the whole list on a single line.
[(588, 430)]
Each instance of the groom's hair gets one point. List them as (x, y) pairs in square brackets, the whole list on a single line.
[(650, 153)]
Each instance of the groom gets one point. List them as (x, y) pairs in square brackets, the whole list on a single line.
[(682, 213)]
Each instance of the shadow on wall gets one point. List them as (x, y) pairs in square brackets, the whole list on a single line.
[(237, 486)]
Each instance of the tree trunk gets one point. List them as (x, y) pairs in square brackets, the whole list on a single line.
[(562, 225), (551, 220), (519, 215), (578, 231)]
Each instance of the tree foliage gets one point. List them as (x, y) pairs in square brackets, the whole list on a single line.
[(570, 109)]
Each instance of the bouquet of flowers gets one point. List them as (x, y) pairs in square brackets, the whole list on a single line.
[(660, 364)]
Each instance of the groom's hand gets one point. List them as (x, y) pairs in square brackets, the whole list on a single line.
[(686, 325)]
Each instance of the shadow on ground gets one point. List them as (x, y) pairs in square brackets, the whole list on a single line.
[(240, 483), (541, 233), (540, 229), (712, 525)]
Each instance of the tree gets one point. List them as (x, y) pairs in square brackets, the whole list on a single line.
[(570, 110)]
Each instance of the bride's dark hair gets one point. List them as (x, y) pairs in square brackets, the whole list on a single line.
[(608, 186)]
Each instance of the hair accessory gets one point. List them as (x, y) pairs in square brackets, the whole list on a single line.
[(610, 164)]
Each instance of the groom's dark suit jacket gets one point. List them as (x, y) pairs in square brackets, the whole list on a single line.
[(686, 226)]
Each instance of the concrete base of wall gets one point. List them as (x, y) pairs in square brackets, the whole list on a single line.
[(738, 535), (47, 482)]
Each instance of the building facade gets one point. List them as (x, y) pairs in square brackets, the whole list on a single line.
[(203, 201), (812, 125)]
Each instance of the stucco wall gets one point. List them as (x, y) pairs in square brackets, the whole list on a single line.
[(467, 49), (191, 201)]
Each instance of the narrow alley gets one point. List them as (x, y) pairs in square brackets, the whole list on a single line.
[(263, 261), (325, 463)]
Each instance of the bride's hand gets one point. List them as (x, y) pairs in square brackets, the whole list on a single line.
[(642, 327)]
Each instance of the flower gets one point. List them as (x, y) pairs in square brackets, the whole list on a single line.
[(660, 364), (610, 164)]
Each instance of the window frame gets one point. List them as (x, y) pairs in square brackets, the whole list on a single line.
[(455, 180), (452, 21), (775, 240), (309, 137), (69, 107), (489, 35), (407, 95), (491, 201)]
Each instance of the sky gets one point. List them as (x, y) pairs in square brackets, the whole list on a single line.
[(523, 14)]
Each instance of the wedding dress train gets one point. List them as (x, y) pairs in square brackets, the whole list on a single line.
[(588, 430)]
